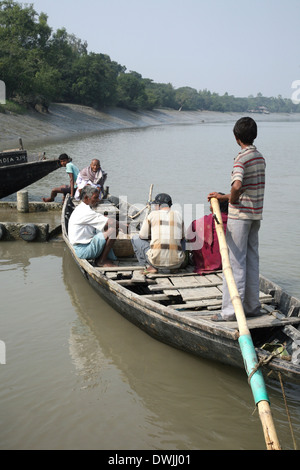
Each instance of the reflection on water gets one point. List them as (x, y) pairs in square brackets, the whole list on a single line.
[(78, 375), (178, 393)]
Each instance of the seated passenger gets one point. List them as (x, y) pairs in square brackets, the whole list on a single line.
[(159, 243), (92, 234), (202, 234), (73, 171), (92, 175)]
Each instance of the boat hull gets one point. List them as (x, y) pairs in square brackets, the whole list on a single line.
[(200, 337), (16, 177), (153, 320)]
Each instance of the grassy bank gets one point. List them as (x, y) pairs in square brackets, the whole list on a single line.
[(12, 107)]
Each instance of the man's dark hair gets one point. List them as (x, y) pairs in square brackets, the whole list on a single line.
[(163, 199), (64, 156), (245, 130)]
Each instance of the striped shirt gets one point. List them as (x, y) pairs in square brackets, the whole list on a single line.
[(165, 230), (249, 168)]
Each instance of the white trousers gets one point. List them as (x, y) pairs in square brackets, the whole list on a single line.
[(242, 241)]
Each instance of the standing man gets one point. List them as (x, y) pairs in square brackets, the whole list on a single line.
[(245, 213), (73, 172)]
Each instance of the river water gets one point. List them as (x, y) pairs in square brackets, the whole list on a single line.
[(79, 376)]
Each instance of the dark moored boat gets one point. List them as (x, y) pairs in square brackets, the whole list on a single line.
[(176, 308), (16, 172)]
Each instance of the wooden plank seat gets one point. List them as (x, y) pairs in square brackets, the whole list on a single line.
[(195, 291), (270, 317), (211, 302)]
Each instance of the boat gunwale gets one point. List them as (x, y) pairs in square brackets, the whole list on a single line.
[(30, 163)]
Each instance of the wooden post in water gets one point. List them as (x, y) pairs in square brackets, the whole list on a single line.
[(22, 201), (247, 348)]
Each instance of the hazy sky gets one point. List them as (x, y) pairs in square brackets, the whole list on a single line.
[(235, 46)]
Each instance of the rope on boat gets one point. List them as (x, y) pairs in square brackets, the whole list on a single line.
[(287, 411), (263, 362)]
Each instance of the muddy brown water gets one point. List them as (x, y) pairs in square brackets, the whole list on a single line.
[(79, 376)]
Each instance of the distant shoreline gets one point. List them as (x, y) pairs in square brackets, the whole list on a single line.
[(67, 121)]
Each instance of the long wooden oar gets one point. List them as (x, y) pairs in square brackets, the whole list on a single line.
[(245, 340)]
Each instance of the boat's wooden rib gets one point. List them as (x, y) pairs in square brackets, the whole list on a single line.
[(177, 307), (105, 270)]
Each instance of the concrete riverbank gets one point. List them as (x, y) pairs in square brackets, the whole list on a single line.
[(65, 121)]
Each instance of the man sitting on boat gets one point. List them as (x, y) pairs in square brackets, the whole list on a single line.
[(73, 172), (92, 234), (159, 243), (92, 175), (203, 241)]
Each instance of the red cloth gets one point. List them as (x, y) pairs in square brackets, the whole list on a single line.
[(207, 258)]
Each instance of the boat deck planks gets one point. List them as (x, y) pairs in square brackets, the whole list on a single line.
[(165, 284), (201, 296), (177, 307), (195, 292), (262, 321)]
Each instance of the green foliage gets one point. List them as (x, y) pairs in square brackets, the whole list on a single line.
[(40, 66), (188, 98), (160, 94), (131, 91), (94, 80), (12, 107), (23, 40)]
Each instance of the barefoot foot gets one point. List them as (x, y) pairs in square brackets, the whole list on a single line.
[(106, 264), (150, 270)]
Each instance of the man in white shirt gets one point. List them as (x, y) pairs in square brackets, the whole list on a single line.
[(92, 234)]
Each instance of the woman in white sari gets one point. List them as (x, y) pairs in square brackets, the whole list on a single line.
[(92, 175)]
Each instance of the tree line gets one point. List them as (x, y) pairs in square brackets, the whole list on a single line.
[(40, 66)]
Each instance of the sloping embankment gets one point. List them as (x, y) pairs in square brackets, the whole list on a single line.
[(66, 121)]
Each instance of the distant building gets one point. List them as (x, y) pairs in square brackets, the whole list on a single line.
[(260, 109)]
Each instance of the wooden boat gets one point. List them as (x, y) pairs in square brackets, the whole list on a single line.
[(176, 308), (16, 172)]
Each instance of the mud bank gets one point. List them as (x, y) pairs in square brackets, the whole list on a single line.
[(65, 121)]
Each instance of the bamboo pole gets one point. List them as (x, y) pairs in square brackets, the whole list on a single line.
[(247, 348), (147, 206), (150, 196)]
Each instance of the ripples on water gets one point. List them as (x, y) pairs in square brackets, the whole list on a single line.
[(79, 376)]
